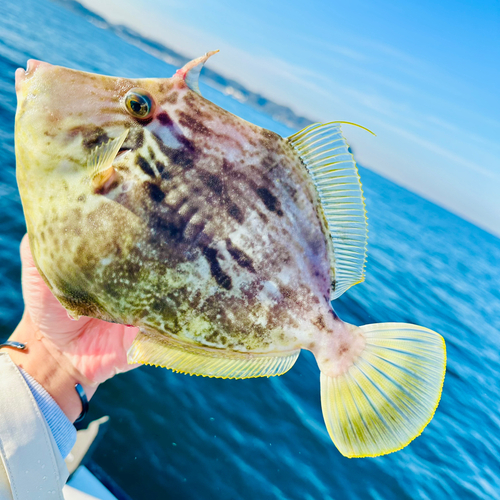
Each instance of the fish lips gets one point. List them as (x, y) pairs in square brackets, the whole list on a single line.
[(32, 66)]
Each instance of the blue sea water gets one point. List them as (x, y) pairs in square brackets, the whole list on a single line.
[(179, 437)]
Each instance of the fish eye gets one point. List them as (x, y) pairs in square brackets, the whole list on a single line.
[(139, 103)]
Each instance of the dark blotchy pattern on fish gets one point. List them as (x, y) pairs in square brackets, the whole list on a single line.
[(239, 256), (92, 136), (221, 194), (210, 224), (222, 278), (144, 165), (270, 201)]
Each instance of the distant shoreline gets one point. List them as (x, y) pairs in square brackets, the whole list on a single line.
[(278, 112)]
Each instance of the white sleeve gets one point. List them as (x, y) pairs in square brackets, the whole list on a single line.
[(33, 468)]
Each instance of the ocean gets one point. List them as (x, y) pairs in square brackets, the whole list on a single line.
[(173, 436)]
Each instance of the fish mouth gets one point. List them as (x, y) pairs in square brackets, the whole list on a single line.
[(21, 75)]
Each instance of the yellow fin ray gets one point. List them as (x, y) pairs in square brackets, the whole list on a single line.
[(207, 362), (390, 393), (325, 153), (100, 161)]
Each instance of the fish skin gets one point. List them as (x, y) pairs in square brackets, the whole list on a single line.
[(210, 232)]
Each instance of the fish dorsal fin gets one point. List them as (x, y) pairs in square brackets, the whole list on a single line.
[(100, 161), (325, 153), (190, 72), (153, 349)]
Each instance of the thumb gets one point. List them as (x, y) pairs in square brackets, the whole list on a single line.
[(38, 299), (26, 256)]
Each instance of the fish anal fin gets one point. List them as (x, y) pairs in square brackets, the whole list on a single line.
[(190, 72), (208, 362), (326, 156)]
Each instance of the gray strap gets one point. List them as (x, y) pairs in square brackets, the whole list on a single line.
[(33, 463)]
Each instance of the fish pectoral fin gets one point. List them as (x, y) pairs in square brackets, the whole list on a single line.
[(100, 161), (389, 394), (325, 153), (190, 359), (190, 72)]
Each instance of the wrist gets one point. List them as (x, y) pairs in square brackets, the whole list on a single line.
[(50, 368)]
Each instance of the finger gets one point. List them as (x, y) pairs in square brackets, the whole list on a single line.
[(101, 352), (33, 283), (129, 336), (26, 256), (44, 309), (30, 275)]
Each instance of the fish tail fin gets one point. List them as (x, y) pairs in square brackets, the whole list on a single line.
[(384, 399)]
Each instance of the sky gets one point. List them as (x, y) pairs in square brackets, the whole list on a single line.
[(424, 76)]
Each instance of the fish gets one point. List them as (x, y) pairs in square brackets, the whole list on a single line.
[(223, 242)]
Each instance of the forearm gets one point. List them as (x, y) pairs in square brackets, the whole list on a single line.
[(50, 368)]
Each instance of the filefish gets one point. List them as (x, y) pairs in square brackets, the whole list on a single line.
[(146, 204)]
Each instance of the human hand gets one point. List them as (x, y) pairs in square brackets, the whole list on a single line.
[(61, 352), (96, 348)]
